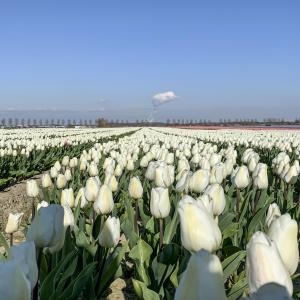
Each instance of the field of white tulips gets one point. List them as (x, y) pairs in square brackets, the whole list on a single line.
[(177, 213), (24, 153)]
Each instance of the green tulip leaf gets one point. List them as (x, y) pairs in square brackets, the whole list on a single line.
[(238, 289), (169, 254), (231, 263), (143, 292), (111, 267), (141, 254), (171, 228), (257, 221)]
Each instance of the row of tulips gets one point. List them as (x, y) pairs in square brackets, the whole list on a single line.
[(176, 216), (24, 153)]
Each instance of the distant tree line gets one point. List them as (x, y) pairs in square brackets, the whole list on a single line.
[(103, 122)]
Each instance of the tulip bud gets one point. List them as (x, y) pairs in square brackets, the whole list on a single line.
[(93, 169), (273, 214), (83, 165), (81, 197), (183, 164), (112, 182), (67, 197), (53, 172), (260, 176), (42, 204), (135, 188), (47, 227), (46, 181), (13, 283), (199, 181), (130, 165), (144, 162), (160, 203), (240, 177), (104, 202), (291, 175), (13, 222), (285, 170), (198, 228), (150, 172), (183, 182), (217, 174), (118, 170), (202, 279), (73, 162), (65, 161), (25, 255), (164, 176), (215, 159), (32, 189), (57, 166), (283, 231), (252, 163), (110, 234), (264, 264), (206, 200), (68, 175), (216, 193), (69, 220), (204, 164), (61, 181), (170, 159), (110, 169), (91, 189), (196, 159), (229, 163)]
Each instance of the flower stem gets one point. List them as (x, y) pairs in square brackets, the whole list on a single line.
[(136, 216), (11, 240), (238, 200), (161, 232), (32, 209), (257, 195)]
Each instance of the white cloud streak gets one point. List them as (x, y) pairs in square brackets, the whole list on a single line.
[(163, 98)]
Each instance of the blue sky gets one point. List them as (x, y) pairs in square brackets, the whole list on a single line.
[(224, 59)]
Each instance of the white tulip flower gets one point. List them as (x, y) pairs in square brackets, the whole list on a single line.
[(110, 234), (198, 228), (104, 202), (13, 222), (264, 264), (202, 279), (284, 232), (160, 203)]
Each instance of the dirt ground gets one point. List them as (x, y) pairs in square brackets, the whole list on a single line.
[(13, 200)]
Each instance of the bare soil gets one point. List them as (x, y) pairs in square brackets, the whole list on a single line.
[(13, 199)]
